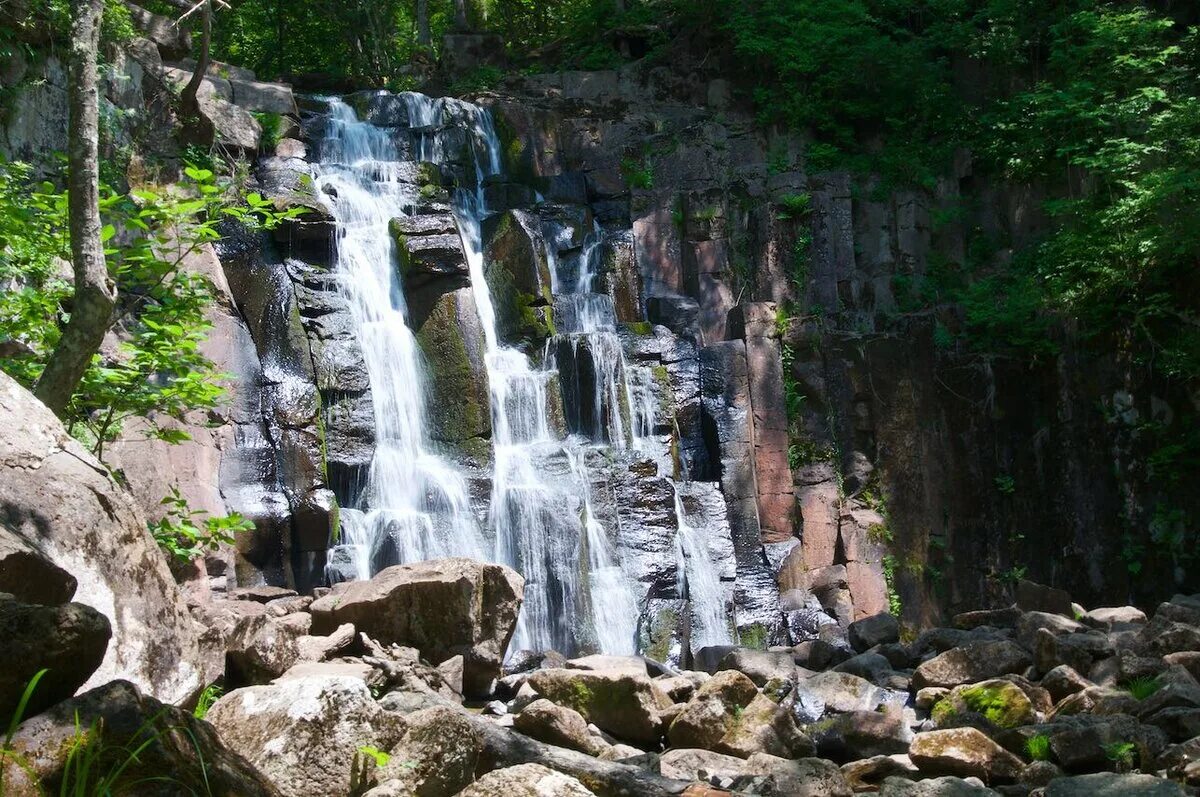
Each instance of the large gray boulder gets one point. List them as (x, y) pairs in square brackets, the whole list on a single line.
[(526, 780), (177, 753), (67, 641), (437, 755), (978, 661), (303, 733), (1111, 784), (712, 710), (56, 496), (628, 706), (965, 752), (444, 608), (558, 725)]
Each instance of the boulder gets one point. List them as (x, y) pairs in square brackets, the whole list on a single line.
[(862, 734), (526, 780), (934, 787), (868, 773), (232, 126), (303, 733), (559, 725), (803, 777), (840, 692), (437, 755), (689, 764), (760, 665), (67, 641), (1109, 617), (870, 666), (707, 716), (1063, 681), (57, 497), (965, 752), (995, 618), (764, 727), (28, 574), (628, 706), (1111, 784), (444, 608), (991, 704), (171, 40), (116, 718), (974, 662), (264, 97), (878, 629), (1034, 597)]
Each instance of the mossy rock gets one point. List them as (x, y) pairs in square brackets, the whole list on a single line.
[(990, 704), (452, 343)]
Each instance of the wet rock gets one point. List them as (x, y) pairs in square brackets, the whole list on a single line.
[(169, 741), (868, 632), (557, 725), (628, 706), (444, 608), (1111, 784), (760, 666), (972, 663), (54, 491), (68, 641), (526, 780), (842, 692), (965, 752), (710, 713), (437, 755), (304, 733)]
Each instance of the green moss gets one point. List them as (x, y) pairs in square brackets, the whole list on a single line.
[(640, 327), (1037, 747), (995, 703), (753, 636), (535, 322), (579, 696), (661, 634), (943, 712)]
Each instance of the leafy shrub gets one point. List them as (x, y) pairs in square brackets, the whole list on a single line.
[(187, 533), (1143, 686), (1037, 747)]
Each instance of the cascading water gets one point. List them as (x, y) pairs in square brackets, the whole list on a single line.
[(415, 505), (700, 583)]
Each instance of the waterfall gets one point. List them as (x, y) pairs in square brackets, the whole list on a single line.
[(700, 583), (415, 505)]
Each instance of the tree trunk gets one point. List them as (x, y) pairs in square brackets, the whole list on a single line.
[(461, 22), (191, 106), (92, 306), (424, 37)]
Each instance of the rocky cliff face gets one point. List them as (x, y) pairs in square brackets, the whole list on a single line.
[(838, 456)]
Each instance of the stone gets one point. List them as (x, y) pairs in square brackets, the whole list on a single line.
[(965, 752), (842, 692), (1062, 681), (438, 753), (28, 574), (629, 665), (765, 727), (974, 662), (1039, 773), (56, 495), (760, 665), (868, 773), (322, 648), (1031, 622), (170, 742), (996, 618), (991, 704), (868, 632), (172, 40), (68, 641), (526, 780), (708, 715), (1111, 784), (628, 706), (264, 97), (1034, 597), (231, 125), (444, 608), (1106, 618), (1082, 743), (803, 777), (303, 733), (862, 734), (689, 765), (934, 787), (869, 666), (558, 725)]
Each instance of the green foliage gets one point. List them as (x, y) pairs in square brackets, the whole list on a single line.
[(272, 125), (1012, 575), (211, 694), (1123, 755), (187, 533), (994, 704), (157, 370), (380, 757), (477, 81), (889, 578), (1005, 484), (1037, 747), (638, 172), (1143, 686), (794, 206)]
